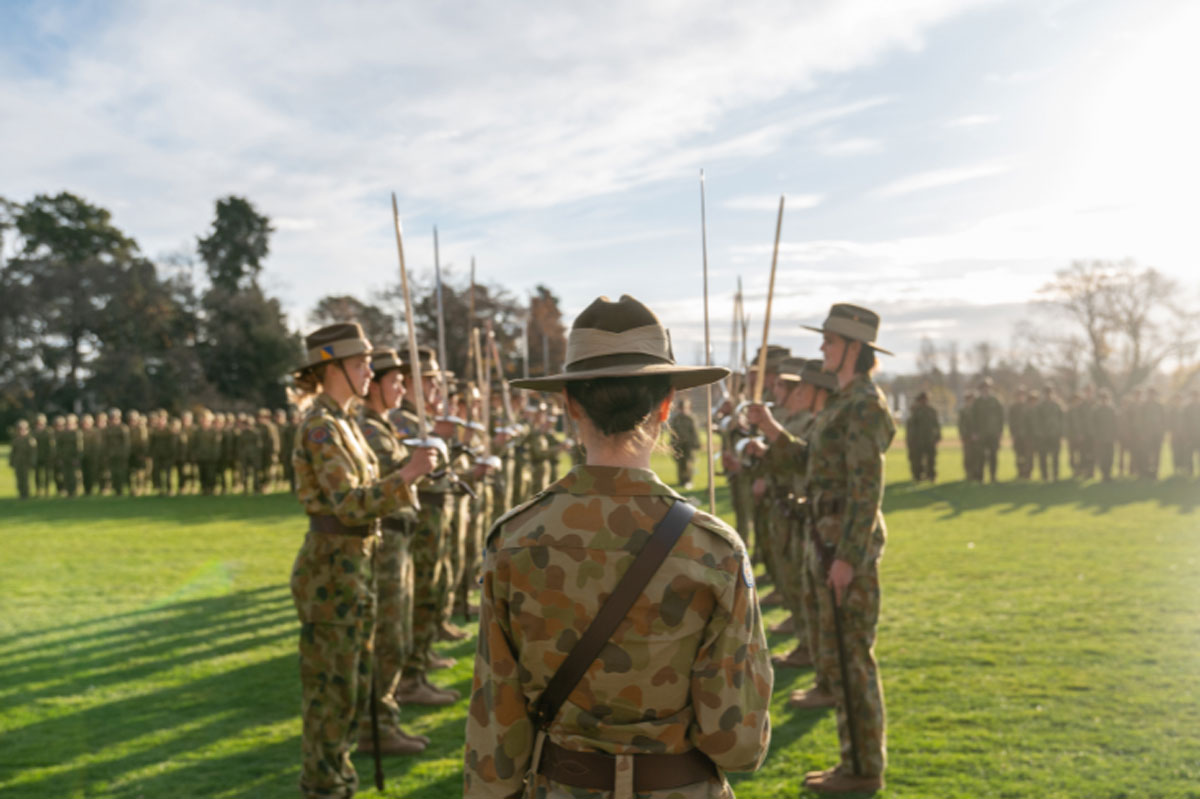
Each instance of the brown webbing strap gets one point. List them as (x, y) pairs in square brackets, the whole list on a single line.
[(612, 612)]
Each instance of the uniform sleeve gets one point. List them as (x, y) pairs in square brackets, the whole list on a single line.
[(499, 732), (867, 437), (787, 453), (353, 503), (732, 678)]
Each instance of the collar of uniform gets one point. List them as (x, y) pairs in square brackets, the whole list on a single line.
[(330, 404), (614, 481)]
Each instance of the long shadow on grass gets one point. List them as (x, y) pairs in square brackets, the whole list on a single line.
[(1034, 497), (127, 745)]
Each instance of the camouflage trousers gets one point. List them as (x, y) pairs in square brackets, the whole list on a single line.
[(789, 559), (393, 625), (41, 478), (118, 471), (428, 548), (456, 554), (743, 505), (160, 476), (22, 473), (477, 527), (68, 477), (332, 573), (859, 616), (93, 474), (763, 546)]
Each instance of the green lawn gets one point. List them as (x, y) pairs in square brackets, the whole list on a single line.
[(1036, 640)]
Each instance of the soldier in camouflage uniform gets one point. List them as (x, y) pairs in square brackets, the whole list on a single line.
[(845, 469), (287, 440), (333, 578), (969, 439), (206, 449), (162, 452), (1048, 420), (268, 450), (92, 461), (249, 455), (116, 452), (43, 467), (681, 690), (428, 547), (987, 421), (1020, 427), (139, 453), (797, 401), (393, 566), (68, 453), (22, 457), (685, 440), (1103, 427), (923, 431)]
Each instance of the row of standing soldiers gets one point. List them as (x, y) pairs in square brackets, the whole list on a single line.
[(137, 453), (1100, 436)]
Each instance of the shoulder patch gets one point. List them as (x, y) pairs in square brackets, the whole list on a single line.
[(318, 435), (747, 570)]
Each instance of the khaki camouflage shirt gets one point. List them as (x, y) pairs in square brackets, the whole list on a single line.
[(384, 440), (846, 447), (336, 471), (688, 668)]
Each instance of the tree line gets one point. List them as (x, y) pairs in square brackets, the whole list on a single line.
[(1113, 325), (88, 321)]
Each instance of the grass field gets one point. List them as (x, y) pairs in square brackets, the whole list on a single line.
[(1036, 641)]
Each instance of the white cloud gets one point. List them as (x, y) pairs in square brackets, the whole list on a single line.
[(939, 178), (763, 202), (858, 145), (972, 121)]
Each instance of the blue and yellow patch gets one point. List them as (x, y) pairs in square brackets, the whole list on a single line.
[(327, 353), (318, 435)]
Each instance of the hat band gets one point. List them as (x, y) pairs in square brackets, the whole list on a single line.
[(851, 329), (381, 365), (337, 349), (586, 342), (617, 360)]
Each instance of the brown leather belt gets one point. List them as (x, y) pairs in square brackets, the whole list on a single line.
[(595, 771), (331, 525)]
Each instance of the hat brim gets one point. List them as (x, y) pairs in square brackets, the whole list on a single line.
[(681, 376), (870, 344)]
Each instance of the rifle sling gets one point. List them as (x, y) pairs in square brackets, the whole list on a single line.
[(612, 612)]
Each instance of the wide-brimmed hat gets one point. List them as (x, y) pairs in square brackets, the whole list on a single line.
[(621, 339), (384, 361), (789, 368), (776, 355), (333, 343), (852, 322), (429, 362)]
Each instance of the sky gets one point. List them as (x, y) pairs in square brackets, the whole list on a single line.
[(940, 159)]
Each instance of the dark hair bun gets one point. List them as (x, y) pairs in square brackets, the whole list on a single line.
[(619, 404)]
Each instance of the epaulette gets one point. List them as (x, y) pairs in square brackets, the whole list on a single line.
[(715, 525)]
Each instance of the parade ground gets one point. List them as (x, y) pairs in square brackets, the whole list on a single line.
[(1035, 641)]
